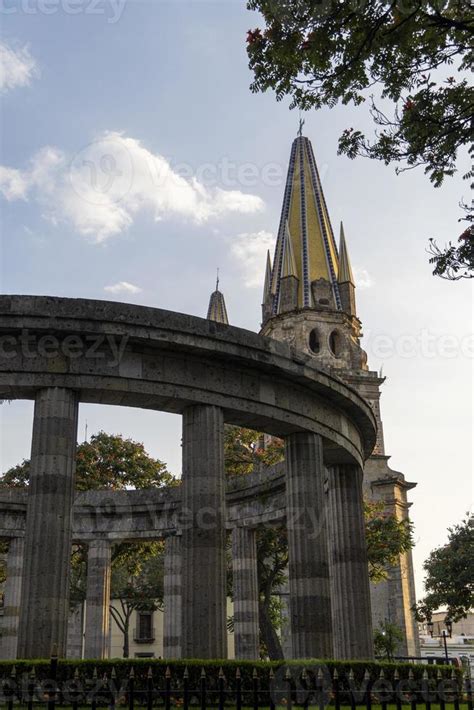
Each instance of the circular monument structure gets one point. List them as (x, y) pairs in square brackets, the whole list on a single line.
[(60, 352)]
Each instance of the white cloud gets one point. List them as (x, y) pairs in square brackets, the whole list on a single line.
[(17, 67), (250, 250), (362, 278), (123, 287), (101, 189)]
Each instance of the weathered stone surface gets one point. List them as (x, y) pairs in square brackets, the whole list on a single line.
[(204, 534), (149, 358), (310, 606), (350, 593), (245, 593), (96, 644), (173, 591), (45, 588), (12, 598)]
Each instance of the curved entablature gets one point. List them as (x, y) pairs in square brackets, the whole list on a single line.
[(154, 513), (114, 353)]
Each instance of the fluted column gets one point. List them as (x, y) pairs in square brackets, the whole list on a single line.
[(45, 589), (96, 644), (310, 605), (11, 609), (244, 561), (204, 534), (350, 592), (172, 624)]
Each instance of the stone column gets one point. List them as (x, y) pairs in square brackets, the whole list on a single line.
[(172, 625), (310, 605), (96, 644), (11, 609), (45, 590), (350, 592), (204, 534), (244, 561)]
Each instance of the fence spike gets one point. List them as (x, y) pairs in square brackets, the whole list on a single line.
[(150, 673), (410, 674), (238, 673), (351, 674), (33, 673), (94, 674), (320, 674), (287, 674), (271, 675), (439, 675), (254, 674), (366, 674), (186, 672), (425, 675), (132, 673), (113, 674), (396, 675), (168, 672), (381, 674), (335, 675), (304, 675), (203, 673), (76, 674), (13, 673)]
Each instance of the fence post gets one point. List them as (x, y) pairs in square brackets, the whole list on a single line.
[(167, 688), (255, 689), (352, 690), (221, 689), (203, 689), (271, 687), (131, 689), (335, 690), (149, 689), (31, 689), (396, 687), (289, 690), (75, 690), (186, 689), (238, 690)]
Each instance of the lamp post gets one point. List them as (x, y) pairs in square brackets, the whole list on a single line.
[(447, 632)]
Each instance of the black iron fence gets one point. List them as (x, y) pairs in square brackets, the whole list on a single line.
[(311, 687)]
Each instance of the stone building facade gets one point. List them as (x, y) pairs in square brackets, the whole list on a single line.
[(309, 302)]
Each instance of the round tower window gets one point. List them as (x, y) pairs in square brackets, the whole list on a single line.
[(335, 343), (314, 341)]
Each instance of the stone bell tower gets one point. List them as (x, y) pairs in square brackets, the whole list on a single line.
[(309, 302)]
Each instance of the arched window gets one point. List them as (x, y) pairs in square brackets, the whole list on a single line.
[(314, 341), (335, 343)]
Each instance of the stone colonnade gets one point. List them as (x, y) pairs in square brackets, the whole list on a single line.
[(328, 575)]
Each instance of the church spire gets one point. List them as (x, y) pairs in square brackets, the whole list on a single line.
[(217, 310), (267, 293), (305, 219), (345, 277)]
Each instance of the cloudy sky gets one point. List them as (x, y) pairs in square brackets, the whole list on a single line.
[(135, 161)]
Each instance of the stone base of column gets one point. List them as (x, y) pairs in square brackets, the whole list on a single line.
[(45, 589), (172, 623), (350, 590), (96, 644), (310, 604), (12, 597), (244, 561), (204, 534)]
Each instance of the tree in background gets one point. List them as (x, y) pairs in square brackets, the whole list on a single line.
[(414, 55), (449, 580), (387, 640)]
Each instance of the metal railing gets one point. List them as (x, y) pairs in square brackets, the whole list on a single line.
[(287, 688)]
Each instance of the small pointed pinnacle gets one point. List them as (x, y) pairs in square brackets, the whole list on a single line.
[(439, 675), (271, 675), (221, 673), (94, 674), (254, 674), (113, 675), (203, 673), (410, 674), (351, 674), (238, 673), (335, 675), (287, 674), (132, 673), (425, 675), (150, 672), (13, 673), (76, 674), (168, 672), (320, 674), (396, 675), (304, 675), (33, 673), (381, 674), (186, 672), (366, 674)]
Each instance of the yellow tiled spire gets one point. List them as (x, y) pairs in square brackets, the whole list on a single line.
[(345, 274), (305, 217), (288, 265)]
